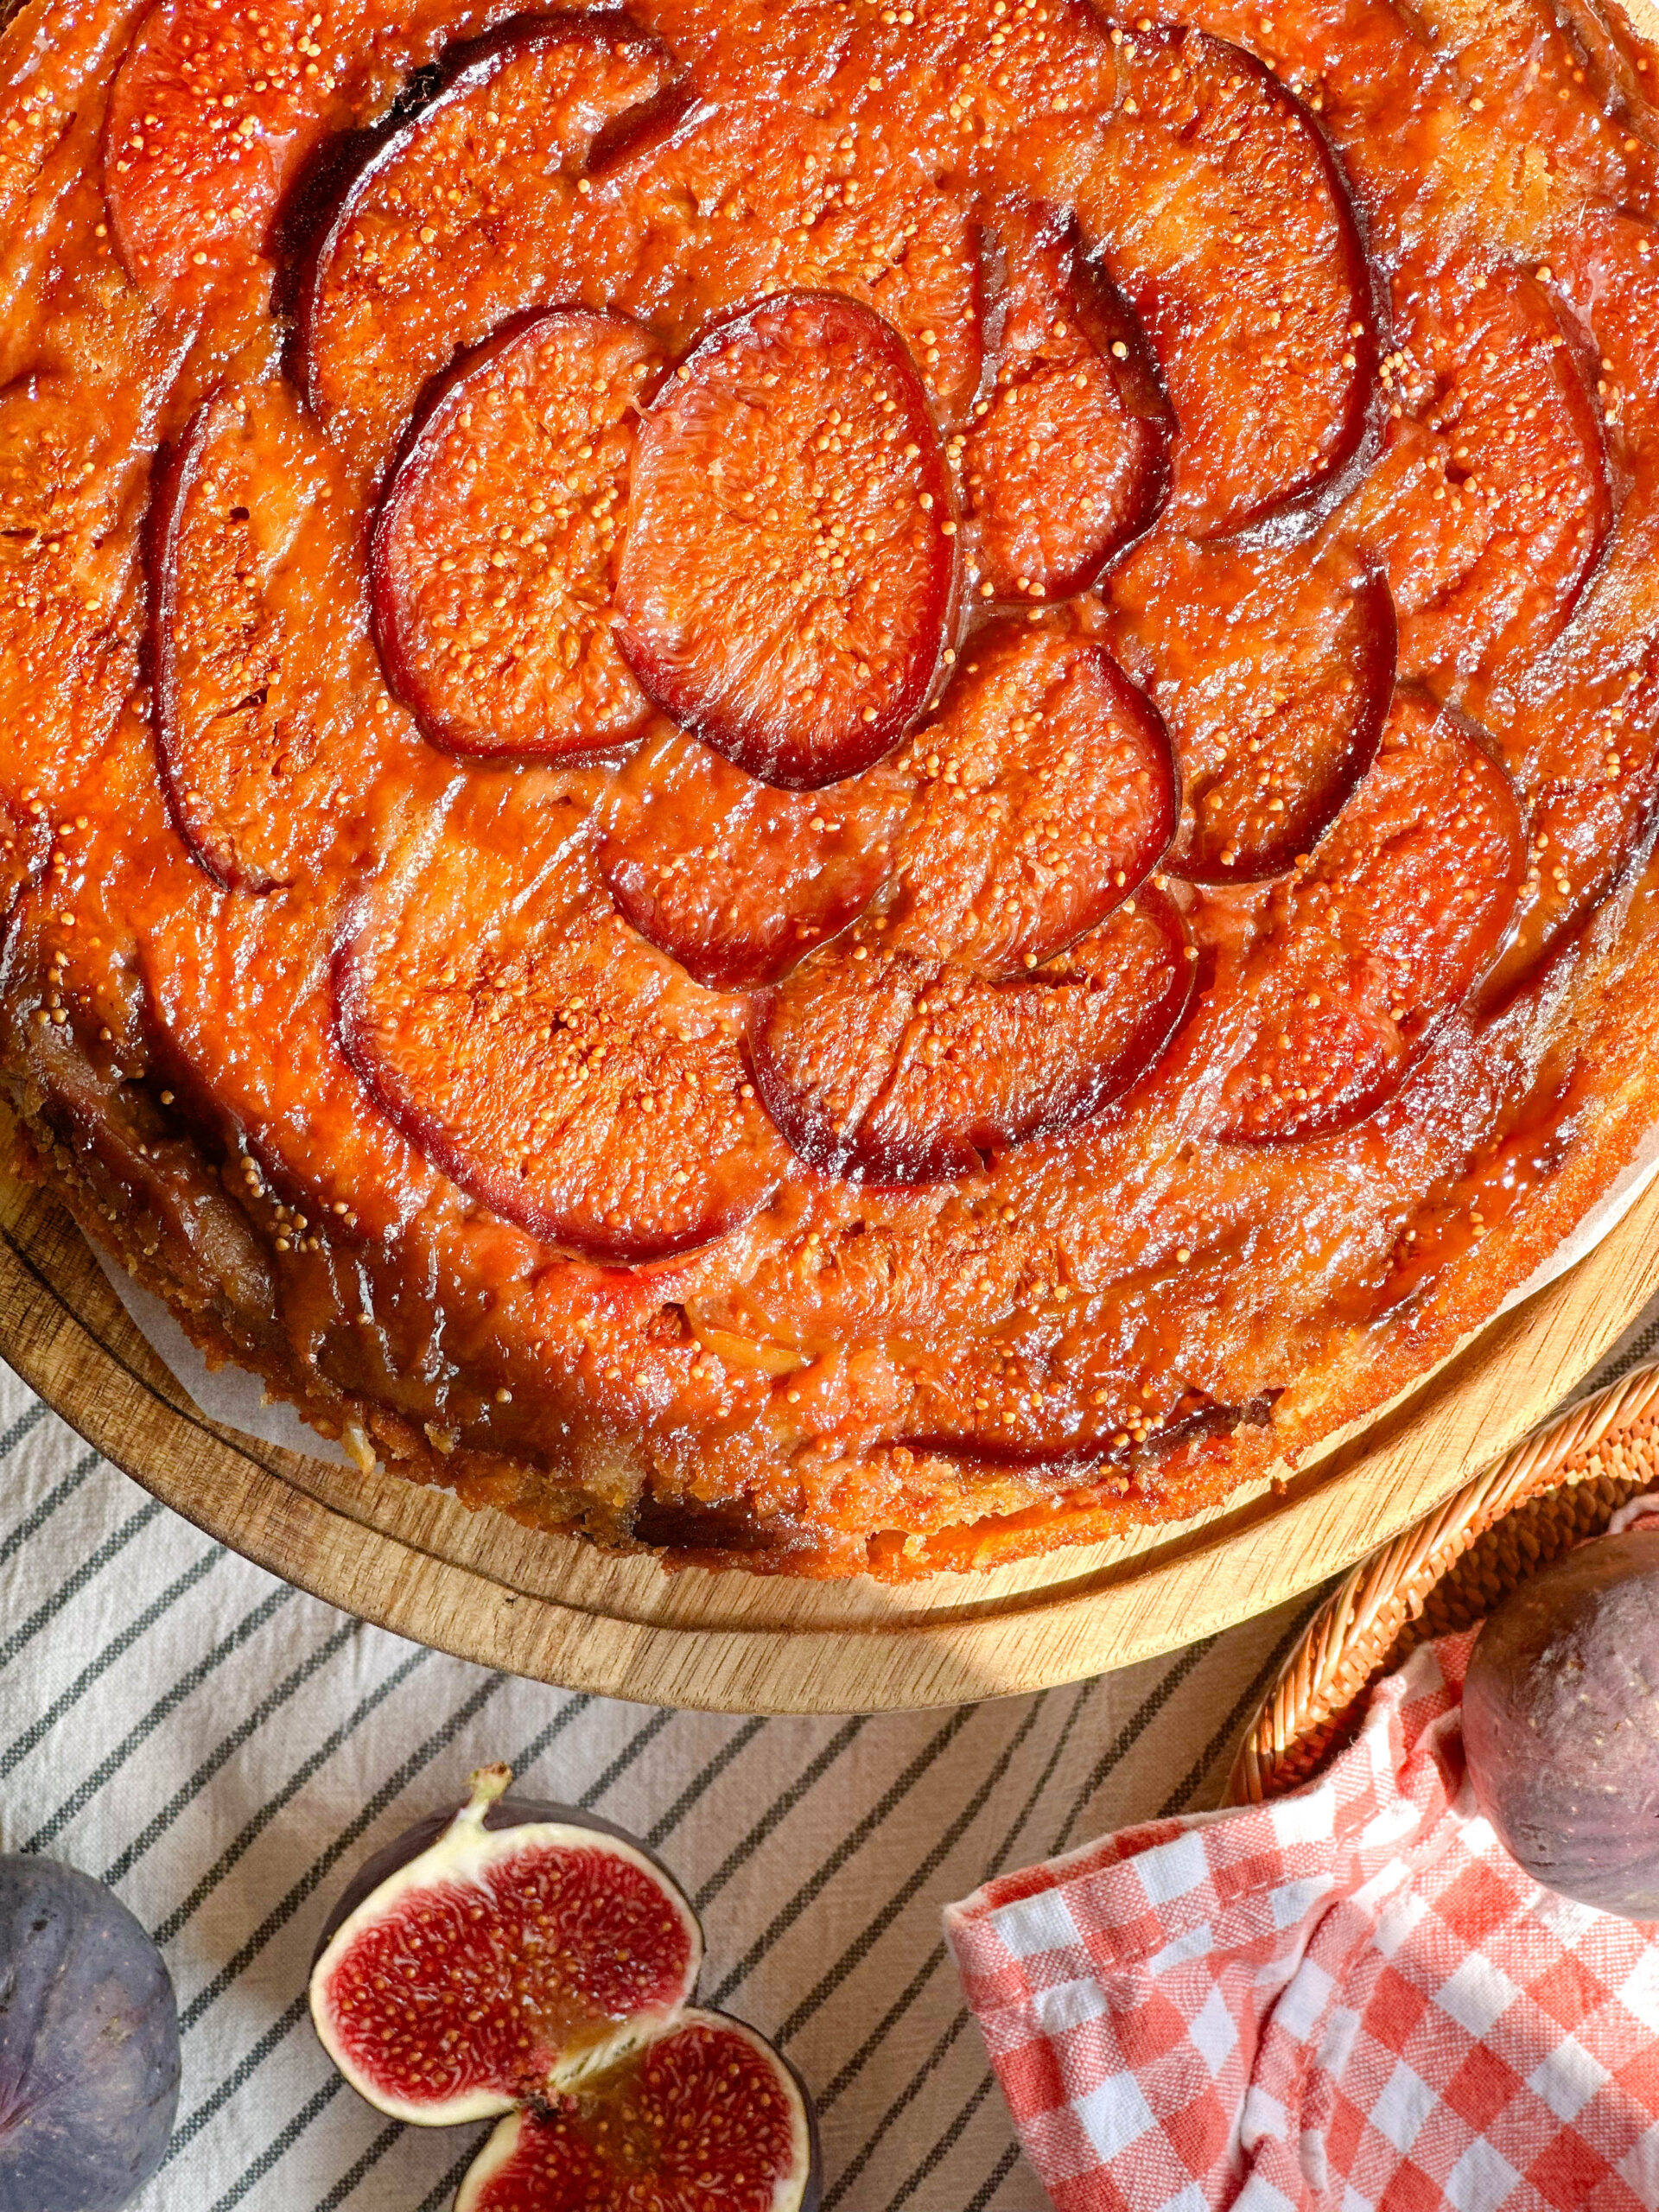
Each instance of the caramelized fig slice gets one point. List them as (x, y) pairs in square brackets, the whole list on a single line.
[(495, 545), (884, 1066), (541, 1054), (788, 573), (215, 110), (1067, 459), (1609, 274), (1224, 216), (707, 2113), (734, 879), (511, 1955), (1273, 668), (744, 199), (266, 685), (446, 232), (1493, 504), (1403, 909), (74, 466), (1046, 796)]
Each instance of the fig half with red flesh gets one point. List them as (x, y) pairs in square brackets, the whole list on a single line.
[(789, 575), (708, 2113), (494, 550), (506, 1953), (736, 880), (1067, 459), (1222, 213), (1385, 932), (1273, 668)]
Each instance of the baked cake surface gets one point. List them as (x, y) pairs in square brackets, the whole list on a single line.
[(842, 786)]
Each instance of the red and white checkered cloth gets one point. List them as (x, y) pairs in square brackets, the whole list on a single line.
[(1349, 1999)]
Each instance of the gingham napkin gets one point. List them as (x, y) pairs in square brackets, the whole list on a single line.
[(1349, 1999)]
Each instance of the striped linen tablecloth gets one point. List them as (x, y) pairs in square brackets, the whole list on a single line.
[(224, 1750)]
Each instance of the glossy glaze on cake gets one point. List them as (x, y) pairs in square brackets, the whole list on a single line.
[(840, 787)]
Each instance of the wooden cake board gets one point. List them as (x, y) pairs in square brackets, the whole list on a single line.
[(413, 1560)]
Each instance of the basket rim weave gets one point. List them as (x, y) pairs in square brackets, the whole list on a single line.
[(1344, 1646)]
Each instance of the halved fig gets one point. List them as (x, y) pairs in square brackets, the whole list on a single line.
[(266, 687), (1274, 670), (706, 2114), (214, 111), (1046, 796), (448, 230), (788, 573), (511, 1950), (1493, 504), (734, 879), (885, 1066), (1401, 912), (1221, 213), (1067, 460), (495, 547), (546, 1058)]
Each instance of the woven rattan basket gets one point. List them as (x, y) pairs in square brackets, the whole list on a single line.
[(1564, 1482)]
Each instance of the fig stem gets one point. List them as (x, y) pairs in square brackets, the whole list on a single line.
[(487, 1783)]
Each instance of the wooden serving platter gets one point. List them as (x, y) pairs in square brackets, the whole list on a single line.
[(476, 1584)]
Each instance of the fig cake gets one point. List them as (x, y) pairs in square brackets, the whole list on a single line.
[(836, 785)]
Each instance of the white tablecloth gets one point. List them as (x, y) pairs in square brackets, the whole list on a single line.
[(223, 1750)]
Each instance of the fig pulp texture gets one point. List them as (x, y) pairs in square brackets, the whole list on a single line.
[(708, 2113), (89, 2043), (519, 1949), (531, 1960), (1561, 1724)]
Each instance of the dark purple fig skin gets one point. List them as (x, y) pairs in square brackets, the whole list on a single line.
[(1560, 1725), (89, 2043), (505, 1813)]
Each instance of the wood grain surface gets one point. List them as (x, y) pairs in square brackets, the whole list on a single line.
[(412, 1559)]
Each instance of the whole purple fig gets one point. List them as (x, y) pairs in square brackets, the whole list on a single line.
[(1561, 1723), (89, 2043)]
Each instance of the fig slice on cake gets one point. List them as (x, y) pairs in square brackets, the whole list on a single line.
[(788, 578), (1369, 946), (1493, 504), (1220, 210), (1066, 461), (492, 554), (502, 1954), (1273, 668)]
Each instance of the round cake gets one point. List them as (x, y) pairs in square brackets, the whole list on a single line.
[(838, 786)]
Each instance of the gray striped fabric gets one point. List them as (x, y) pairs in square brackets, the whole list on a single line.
[(223, 1750)]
